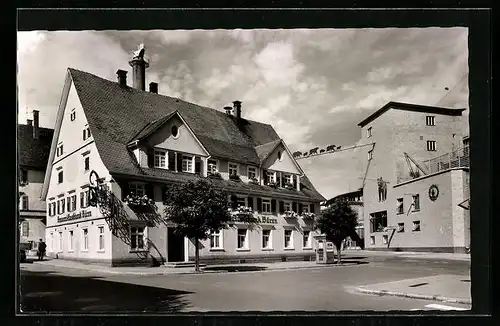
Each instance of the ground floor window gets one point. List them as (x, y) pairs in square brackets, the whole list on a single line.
[(372, 240), (101, 237), (378, 221), (137, 238), (85, 239), (25, 228), (71, 243), (242, 239), (306, 243), (216, 240), (138, 189), (416, 226), (60, 242), (266, 239), (385, 239), (288, 239), (52, 241)]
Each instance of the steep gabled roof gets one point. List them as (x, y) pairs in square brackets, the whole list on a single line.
[(410, 107), (118, 114), (34, 153)]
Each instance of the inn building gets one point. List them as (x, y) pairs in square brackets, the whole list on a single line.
[(139, 142), (33, 153), (417, 175)]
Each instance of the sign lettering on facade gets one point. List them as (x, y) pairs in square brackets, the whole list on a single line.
[(74, 216), (266, 220)]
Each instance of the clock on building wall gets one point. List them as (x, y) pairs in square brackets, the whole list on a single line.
[(433, 192)]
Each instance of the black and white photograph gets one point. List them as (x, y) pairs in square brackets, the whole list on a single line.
[(223, 170)]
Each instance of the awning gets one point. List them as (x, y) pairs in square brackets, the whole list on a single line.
[(465, 204)]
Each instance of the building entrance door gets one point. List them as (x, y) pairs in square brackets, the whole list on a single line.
[(175, 246)]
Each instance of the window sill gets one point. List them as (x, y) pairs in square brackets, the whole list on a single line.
[(101, 251), (306, 248), (415, 231), (243, 249), (217, 249), (288, 248), (415, 211), (267, 249), (84, 250), (399, 213), (71, 251)]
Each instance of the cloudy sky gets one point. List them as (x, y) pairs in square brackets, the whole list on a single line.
[(313, 86)]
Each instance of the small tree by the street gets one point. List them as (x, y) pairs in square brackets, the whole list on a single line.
[(338, 222), (197, 209)]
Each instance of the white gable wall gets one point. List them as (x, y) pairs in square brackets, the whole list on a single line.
[(185, 141), (287, 163)]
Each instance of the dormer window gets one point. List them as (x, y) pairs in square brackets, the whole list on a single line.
[(187, 163), (233, 169), (86, 132), (270, 177), (160, 159), (59, 150), (212, 166), (252, 172), (287, 178)]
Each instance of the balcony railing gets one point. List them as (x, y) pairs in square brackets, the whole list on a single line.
[(457, 159)]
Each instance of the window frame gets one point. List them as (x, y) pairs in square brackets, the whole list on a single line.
[(85, 239), (431, 145), (370, 154), (137, 185), (269, 240), (159, 154), (189, 161), (251, 167), (60, 177), (400, 208), (211, 166), (401, 227), (72, 115), (219, 236), (417, 222), (308, 244), (137, 234), (268, 201), (101, 235), (285, 204), (381, 218), (61, 242), (416, 202), (246, 244), (86, 132), (59, 149), (368, 132), (25, 228), (372, 240), (24, 202), (430, 120), (71, 238), (290, 244), (306, 208), (229, 168), (86, 164)]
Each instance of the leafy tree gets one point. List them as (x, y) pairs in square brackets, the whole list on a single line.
[(198, 208), (338, 222)]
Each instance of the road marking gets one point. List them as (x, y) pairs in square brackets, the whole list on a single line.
[(443, 307)]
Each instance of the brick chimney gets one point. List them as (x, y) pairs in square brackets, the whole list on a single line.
[(228, 110), (122, 77), (36, 127), (237, 109), (153, 88), (139, 66), (30, 122)]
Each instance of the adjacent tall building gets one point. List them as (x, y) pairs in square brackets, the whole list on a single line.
[(417, 174), (33, 153), (139, 142)]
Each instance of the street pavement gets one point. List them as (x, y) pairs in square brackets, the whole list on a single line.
[(55, 289)]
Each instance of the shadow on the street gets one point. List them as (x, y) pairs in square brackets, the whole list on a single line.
[(46, 292), (235, 268)]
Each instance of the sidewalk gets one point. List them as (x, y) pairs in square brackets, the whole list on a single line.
[(162, 270), (447, 288), (408, 254)]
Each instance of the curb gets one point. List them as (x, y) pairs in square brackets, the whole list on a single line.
[(413, 295), (166, 273)]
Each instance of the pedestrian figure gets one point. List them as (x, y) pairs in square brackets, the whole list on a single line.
[(382, 189), (41, 249)]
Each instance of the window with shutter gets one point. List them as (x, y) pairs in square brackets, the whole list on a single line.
[(179, 163), (259, 204), (312, 208), (234, 202), (125, 190), (151, 159), (273, 205), (294, 207), (150, 191), (250, 202), (282, 207), (301, 208)]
